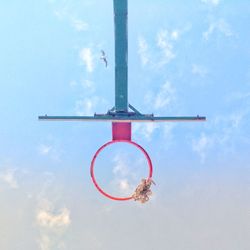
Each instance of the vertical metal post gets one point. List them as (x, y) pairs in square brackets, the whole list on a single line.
[(121, 55)]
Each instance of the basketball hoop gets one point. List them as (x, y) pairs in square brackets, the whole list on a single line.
[(122, 114), (99, 151)]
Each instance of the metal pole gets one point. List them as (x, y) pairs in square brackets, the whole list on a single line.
[(121, 55)]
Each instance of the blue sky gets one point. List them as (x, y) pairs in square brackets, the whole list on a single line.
[(184, 59)]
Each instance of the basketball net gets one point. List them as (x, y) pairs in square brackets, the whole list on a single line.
[(143, 191)]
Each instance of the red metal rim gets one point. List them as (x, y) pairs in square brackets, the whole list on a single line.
[(150, 166)]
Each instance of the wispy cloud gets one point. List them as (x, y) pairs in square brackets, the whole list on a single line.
[(9, 177), (51, 219), (44, 149), (175, 34), (199, 70), (88, 85), (120, 166), (166, 47), (146, 130), (201, 146), (86, 57), (162, 99), (211, 2), (168, 131), (143, 51), (63, 13), (160, 53), (88, 105), (50, 150), (128, 172), (79, 25), (52, 225), (124, 188), (166, 39), (228, 127), (222, 135), (165, 96), (121, 175), (220, 26)]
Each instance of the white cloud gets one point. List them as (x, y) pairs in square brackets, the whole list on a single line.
[(201, 145), (88, 85), (52, 224), (175, 34), (87, 59), (162, 52), (124, 185), (211, 2), (143, 51), (44, 149), (168, 131), (60, 14), (210, 30), (229, 127), (64, 14), (87, 106), (121, 173), (145, 129), (50, 150), (52, 220), (166, 47), (80, 25), (120, 168), (44, 242), (199, 70), (128, 172), (163, 99), (165, 96), (224, 28), (220, 26), (8, 176), (223, 134)]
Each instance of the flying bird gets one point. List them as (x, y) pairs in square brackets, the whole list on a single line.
[(104, 58)]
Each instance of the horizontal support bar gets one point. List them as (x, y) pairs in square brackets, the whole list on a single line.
[(134, 118)]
